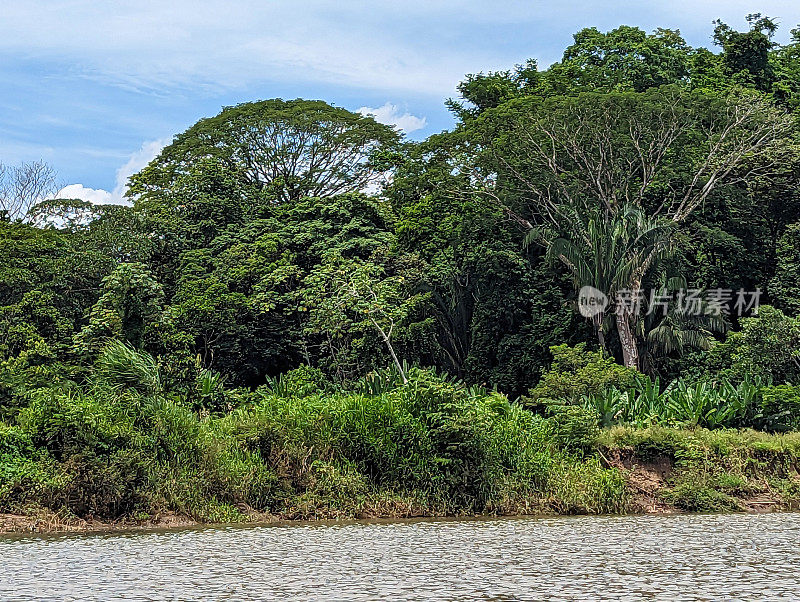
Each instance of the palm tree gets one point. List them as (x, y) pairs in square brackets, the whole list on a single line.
[(679, 328), (613, 253)]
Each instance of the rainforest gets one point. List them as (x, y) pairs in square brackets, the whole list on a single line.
[(302, 314)]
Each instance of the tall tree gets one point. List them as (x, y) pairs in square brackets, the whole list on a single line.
[(24, 185), (625, 58), (663, 151), (608, 253), (747, 54), (285, 149)]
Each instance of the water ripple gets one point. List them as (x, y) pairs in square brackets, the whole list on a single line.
[(711, 557)]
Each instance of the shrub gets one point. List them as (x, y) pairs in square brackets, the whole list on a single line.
[(780, 408), (26, 474), (587, 487), (576, 372), (699, 497), (575, 429), (767, 346), (300, 382)]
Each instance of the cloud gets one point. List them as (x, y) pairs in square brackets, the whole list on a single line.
[(134, 164), (415, 46), (390, 115), (97, 196), (158, 47), (112, 74)]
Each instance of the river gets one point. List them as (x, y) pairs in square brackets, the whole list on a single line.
[(685, 557)]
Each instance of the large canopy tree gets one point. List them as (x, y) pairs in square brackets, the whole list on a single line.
[(625, 58), (286, 148), (557, 164)]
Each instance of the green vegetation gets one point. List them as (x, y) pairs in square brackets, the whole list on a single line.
[(706, 470), (302, 314), (120, 446)]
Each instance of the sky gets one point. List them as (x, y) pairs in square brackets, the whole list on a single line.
[(97, 88)]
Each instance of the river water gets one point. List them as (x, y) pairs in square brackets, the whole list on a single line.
[(700, 557)]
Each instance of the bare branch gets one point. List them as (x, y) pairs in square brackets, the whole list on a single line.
[(24, 185)]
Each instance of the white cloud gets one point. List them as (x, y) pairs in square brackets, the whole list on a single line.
[(418, 45), (390, 115), (97, 196), (138, 160), (160, 46), (136, 163)]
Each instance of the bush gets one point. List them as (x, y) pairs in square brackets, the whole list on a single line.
[(575, 429), (430, 436), (300, 382), (576, 372), (26, 474), (694, 497), (121, 454), (780, 408), (767, 346), (453, 448)]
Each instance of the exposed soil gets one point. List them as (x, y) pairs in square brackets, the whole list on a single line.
[(648, 479), (645, 480), (53, 523)]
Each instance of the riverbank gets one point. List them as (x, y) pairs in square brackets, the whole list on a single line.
[(664, 471), (699, 470), (97, 458)]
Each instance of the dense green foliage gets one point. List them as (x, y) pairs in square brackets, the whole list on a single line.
[(120, 445), (302, 313)]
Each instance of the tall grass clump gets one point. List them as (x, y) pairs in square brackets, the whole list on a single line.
[(119, 445), (451, 448)]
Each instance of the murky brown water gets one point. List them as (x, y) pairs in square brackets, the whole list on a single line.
[(711, 557)]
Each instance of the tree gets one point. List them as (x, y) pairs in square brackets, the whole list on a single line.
[(234, 275), (784, 288), (768, 346), (488, 90), (625, 58), (48, 280), (611, 254), (493, 308), (555, 164), (786, 67), (131, 305), (284, 149), (748, 54), (683, 325), (345, 296), (24, 185)]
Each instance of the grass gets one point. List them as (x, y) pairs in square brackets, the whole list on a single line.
[(714, 470), (431, 447), (125, 447)]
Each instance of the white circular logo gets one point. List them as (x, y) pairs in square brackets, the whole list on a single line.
[(591, 301)]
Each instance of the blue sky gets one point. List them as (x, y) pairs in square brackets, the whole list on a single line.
[(96, 88)]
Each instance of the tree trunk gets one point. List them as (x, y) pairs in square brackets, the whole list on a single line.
[(598, 327), (388, 341), (627, 338)]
